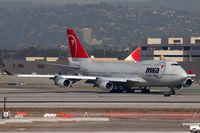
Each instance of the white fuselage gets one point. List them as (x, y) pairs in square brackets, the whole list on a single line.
[(156, 73)]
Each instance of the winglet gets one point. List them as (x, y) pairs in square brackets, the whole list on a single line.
[(76, 48), (7, 72), (134, 56)]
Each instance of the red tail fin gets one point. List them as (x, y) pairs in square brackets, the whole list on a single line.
[(135, 55), (76, 48)]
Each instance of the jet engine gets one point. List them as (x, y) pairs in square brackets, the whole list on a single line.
[(63, 82), (106, 85), (187, 83)]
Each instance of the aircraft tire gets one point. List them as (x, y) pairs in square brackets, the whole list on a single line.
[(115, 91), (129, 90), (145, 90), (173, 92), (148, 91), (194, 130), (120, 90)]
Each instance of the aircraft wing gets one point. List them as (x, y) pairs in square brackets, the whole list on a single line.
[(34, 76), (135, 79), (79, 77)]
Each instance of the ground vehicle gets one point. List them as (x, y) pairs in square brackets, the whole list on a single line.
[(194, 127)]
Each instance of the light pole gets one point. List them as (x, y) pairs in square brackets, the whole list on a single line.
[(2, 54), (5, 115), (104, 51), (4, 103)]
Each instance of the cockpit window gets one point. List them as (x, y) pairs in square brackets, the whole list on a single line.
[(175, 64)]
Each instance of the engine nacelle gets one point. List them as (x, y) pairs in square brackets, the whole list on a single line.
[(187, 83), (63, 82), (106, 85)]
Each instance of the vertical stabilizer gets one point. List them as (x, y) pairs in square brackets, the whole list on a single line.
[(134, 56), (76, 48)]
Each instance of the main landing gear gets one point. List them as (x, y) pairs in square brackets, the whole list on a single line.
[(171, 92), (145, 90), (122, 90)]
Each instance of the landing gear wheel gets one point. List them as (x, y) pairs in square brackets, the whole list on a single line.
[(145, 91), (119, 90), (148, 91), (167, 94), (132, 91), (114, 91), (194, 130), (129, 90), (173, 92)]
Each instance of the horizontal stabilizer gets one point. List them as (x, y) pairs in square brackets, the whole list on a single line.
[(60, 65), (191, 75)]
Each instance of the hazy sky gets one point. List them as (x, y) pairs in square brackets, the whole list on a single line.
[(71, 1)]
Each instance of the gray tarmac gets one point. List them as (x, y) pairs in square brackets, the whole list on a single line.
[(118, 125), (52, 98), (103, 101), (42, 93)]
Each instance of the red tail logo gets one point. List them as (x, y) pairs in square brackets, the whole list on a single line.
[(136, 54), (76, 48)]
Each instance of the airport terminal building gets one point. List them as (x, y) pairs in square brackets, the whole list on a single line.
[(185, 51), (34, 65), (174, 48)]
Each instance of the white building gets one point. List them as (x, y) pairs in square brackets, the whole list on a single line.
[(175, 40), (195, 40), (87, 35), (154, 41)]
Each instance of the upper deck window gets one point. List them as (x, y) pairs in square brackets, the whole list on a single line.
[(175, 64)]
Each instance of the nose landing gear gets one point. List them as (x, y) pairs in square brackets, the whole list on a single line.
[(171, 92)]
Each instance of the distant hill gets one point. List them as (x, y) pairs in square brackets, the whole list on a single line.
[(178, 4), (112, 24), (18, 5), (173, 4)]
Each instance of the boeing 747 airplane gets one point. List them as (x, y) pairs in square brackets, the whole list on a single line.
[(119, 76)]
